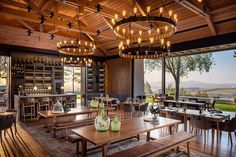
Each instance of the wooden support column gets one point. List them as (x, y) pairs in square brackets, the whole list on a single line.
[(163, 85)]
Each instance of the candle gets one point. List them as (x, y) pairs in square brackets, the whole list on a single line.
[(168, 44), (170, 13), (161, 10), (116, 16), (139, 40), (140, 32), (124, 13), (148, 9), (135, 10)]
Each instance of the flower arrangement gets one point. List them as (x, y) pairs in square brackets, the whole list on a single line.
[(154, 109)]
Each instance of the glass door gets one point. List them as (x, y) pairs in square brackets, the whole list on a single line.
[(72, 81), (4, 81)]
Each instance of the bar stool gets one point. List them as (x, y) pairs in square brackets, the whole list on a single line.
[(44, 102), (28, 104), (71, 101)]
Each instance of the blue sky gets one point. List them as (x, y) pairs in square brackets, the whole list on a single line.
[(224, 71)]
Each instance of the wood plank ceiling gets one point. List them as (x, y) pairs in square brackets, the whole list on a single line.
[(195, 20)]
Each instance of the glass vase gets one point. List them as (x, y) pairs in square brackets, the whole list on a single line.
[(57, 108), (102, 121), (115, 124)]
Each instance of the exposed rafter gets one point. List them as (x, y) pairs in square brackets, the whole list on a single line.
[(105, 11), (25, 24), (52, 22), (98, 44), (46, 4), (199, 11), (109, 25), (24, 6)]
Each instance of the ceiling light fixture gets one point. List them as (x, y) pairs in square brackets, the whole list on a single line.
[(149, 42)]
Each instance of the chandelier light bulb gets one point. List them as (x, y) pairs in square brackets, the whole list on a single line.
[(149, 32), (72, 41), (140, 32), (116, 16), (170, 13), (124, 13), (139, 40), (161, 10), (128, 41), (148, 9), (158, 30), (132, 32), (162, 41), (113, 21), (123, 30), (135, 10), (117, 29), (151, 40), (166, 28), (64, 41), (168, 44)]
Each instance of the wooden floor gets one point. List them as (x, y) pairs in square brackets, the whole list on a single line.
[(23, 145)]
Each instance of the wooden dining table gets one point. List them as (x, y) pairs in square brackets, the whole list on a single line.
[(129, 128), (73, 111), (191, 103), (189, 112)]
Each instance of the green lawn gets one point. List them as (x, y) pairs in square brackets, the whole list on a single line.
[(222, 107), (225, 107)]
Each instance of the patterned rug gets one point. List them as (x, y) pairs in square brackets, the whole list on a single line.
[(60, 147)]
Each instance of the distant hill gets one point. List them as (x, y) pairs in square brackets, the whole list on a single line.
[(196, 84)]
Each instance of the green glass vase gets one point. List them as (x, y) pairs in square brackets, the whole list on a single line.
[(102, 121), (115, 124)]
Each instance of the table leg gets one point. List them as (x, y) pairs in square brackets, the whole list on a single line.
[(170, 130), (185, 123), (84, 147), (217, 133), (104, 150), (148, 136)]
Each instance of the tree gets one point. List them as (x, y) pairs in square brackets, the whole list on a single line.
[(71, 74), (147, 88), (180, 66), (3, 67)]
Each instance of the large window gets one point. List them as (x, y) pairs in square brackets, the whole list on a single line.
[(72, 81), (4, 81)]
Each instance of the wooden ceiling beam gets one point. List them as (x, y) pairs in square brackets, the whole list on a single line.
[(46, 5), (105, 11), (24, 6), (26, 25), (49, 21), (194, 8), (35, 7), (109, 25)]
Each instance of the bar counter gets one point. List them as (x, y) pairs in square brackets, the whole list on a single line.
[(19, 98)]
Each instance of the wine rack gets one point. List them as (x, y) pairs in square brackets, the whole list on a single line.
[(36, 76), (96, 77)]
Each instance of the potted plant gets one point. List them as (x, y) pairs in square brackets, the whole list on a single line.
[(154, 110)]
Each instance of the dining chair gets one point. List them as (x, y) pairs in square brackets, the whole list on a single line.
[(114, 104), (227, 126), (44, 102), (71, 101), (28, 108), (6, 122), (142, 108), (14, 119), (175, 115), (128, 109), (200, 122)]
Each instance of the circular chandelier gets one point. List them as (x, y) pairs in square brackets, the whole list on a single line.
[(76, 61), (76, 47), (76, 52), (145, 36)]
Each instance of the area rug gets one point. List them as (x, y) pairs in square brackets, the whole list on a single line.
[(60, 147)]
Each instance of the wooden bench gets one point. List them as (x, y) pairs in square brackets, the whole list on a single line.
[(157, 147), (67, 124), (64, 124)]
